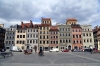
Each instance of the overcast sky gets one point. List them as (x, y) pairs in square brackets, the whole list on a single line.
[(14, 11)]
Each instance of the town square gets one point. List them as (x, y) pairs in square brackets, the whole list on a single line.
[(50, 33)]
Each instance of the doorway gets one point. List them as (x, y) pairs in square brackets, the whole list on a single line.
[(69, 47)]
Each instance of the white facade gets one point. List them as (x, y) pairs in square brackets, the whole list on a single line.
[(10, 36), (32, 37), (87, 34)]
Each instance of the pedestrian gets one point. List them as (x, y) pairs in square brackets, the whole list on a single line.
[(91, 50)]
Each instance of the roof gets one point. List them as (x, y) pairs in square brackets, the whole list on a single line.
[(46, 18), (75, 26), (54, 28), (71, 19)]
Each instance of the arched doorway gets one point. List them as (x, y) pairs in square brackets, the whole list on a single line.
[(69, 47), (75, 47)]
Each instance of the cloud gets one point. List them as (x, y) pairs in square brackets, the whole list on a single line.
[(15, 11)]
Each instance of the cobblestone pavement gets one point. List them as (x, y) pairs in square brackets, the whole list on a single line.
[(52, 59)]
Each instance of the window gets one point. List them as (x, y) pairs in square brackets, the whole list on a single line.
[(36, 41), (43, 42), (40, 32), (23, 42), (51, 42), (40, 37), (47, 42), (23, 36), (20, 42), (28, 35), (69, 41), (17, 36), (37, 30), (30, 41), (40, 28), (66, 41), (63, 41), (90, 40), (80, 36), (33, 41), (83, 34), (28, 30), (66, 34), (87, 34), (60, 34), (69, 34), (88, 29), (17, 41), (31, 35), (31, 30), (80, 41), (74, 42), (84, 40), (73, 30), (56, 42), (56, 36), (73, 36), (90, 34), (60, 41), (12, 42), (63, 34), (77, 41), (47, 37), (56, 46), (17, 31), (40, 42), (20, 36), (87, 40), (76, 36)]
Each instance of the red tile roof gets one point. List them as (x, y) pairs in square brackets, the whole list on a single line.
[(54, 28), (71, 19), (46, 18), (76, 26)]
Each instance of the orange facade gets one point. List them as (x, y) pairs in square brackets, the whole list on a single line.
[(77, 37)]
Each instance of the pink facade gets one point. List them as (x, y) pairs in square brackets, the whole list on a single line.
[(54, 37), (77, 37)]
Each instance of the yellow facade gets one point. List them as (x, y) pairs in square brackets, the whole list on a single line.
[(21, 40), (98, 45)]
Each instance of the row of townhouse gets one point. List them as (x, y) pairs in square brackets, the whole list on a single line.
[(70, 35), (96, 34)]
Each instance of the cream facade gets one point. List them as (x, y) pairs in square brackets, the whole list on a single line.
[(44, 34), (20, 38), (87, 34)]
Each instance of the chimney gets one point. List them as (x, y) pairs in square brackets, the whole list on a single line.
[(30, 21), (21, 22)]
